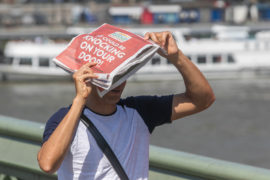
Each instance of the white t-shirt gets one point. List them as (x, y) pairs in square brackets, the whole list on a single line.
[(126, 131)]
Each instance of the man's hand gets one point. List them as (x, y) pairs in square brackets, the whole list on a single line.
[(82, 79), (166, 41)]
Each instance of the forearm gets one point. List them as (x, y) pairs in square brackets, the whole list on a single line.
[(197, 87), (54, 149)]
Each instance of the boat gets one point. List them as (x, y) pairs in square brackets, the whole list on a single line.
[(231, 53), (29, 59)]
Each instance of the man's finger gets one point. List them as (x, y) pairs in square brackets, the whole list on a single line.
[(165, 36), (85, 77), (90, 64), (87, 71), (146, 36), (154, 38), (86, 66)]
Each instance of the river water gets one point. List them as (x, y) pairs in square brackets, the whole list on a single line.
[(235, 128)]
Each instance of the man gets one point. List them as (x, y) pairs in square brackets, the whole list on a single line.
[(125, 123)]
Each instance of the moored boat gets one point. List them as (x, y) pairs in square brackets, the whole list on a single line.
[(225, 56)]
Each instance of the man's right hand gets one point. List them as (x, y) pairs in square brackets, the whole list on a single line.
[(82, 82)]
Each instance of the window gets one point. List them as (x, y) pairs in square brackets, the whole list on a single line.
[(201, 59), (217, 59), (25, 61), (44, 61), (7, 60), (230, 59), (155, 61)]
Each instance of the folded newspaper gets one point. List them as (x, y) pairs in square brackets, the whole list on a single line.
[(117, 52)]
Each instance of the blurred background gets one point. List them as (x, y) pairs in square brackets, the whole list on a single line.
[(228, 40)]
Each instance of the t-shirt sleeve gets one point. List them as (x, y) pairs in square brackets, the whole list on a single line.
[(53, 122), (155, 110)]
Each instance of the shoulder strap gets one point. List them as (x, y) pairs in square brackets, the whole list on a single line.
[(104, 146)]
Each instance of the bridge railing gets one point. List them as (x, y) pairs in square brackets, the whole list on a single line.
[(20, 141)]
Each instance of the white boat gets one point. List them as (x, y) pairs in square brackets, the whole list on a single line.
[(230, 55), (29, 59)]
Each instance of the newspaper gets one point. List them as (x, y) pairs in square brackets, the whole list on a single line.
[(117, 52)]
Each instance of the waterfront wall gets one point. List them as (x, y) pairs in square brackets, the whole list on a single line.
[(20, 141)]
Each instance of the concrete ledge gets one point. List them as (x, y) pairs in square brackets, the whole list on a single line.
[(20, 141)]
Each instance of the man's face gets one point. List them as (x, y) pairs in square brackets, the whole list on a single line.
[(113, 96)]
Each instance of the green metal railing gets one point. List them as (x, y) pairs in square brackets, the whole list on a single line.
[(20, 141)]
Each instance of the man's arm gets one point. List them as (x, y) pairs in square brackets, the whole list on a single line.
[(53, 151), (199, 94)]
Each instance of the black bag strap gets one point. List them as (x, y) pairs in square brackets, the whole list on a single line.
[(104, 146)]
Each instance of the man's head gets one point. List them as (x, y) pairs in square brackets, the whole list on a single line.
[(113, 96)]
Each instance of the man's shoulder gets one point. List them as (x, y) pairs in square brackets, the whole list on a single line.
[(60, 113), (57, 117), (135, 101), (62, 110), (53, 122)]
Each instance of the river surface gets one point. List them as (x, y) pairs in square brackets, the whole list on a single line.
[(235, 128)]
